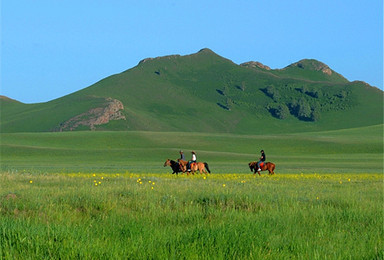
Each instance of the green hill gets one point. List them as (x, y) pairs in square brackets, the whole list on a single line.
[(205, 92)]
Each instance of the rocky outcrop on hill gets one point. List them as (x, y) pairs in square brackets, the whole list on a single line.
[(95, 116), (255, 64), (312, 65), (158, 58)]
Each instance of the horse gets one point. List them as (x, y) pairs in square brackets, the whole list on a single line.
[(202, 167), (265, 166), (183, 165), (174, 165)]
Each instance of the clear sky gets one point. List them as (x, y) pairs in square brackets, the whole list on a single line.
[(51, 48)]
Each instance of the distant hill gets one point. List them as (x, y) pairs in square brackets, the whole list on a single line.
[(204, 92)]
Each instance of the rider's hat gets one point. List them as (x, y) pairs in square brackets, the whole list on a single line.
[(181, 151), (193, 152)]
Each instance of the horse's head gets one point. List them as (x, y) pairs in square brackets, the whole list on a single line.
[(252, 166), (167, 163)]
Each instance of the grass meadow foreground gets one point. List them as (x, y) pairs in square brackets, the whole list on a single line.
[(163, 216)]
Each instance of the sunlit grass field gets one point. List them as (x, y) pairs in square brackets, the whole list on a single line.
[(126, 215), (106, 195)]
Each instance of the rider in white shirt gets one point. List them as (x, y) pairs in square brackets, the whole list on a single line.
[(193, 160)]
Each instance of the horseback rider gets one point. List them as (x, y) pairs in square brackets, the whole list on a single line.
[(193, 160), (182, 156), (262, 159)]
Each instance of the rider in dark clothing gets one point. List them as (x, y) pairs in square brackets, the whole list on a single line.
[(182, 156), (262, 159)]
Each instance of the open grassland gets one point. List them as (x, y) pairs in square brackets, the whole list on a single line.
[(162, 216), (106, 195), (353, 150)]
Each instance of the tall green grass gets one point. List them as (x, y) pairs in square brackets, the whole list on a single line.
[(161, 216)]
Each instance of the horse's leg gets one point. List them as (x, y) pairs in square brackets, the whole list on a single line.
[(204, 169), (270, 169), (182, 168), (195, 168)]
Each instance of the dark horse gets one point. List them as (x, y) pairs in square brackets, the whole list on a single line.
[(265, 166), (174, 165)]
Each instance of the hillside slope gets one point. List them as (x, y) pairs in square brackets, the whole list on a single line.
[(205, 92)]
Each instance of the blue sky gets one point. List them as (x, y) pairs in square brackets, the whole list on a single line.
[(51, 48)]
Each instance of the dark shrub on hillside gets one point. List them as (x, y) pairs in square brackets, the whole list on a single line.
[(342, 95), (316, 93), (272, 92), (280, 111), (315, 116), (304, 110)]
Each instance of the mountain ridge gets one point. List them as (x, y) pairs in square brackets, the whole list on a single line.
[(208, 93)]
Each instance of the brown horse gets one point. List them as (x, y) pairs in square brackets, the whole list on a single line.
[(202, 167), (183, 165), (266, 166)]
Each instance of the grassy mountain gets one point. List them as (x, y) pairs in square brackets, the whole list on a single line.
[(205, 92)]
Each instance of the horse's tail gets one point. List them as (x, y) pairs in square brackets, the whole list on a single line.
[(206, 167)]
